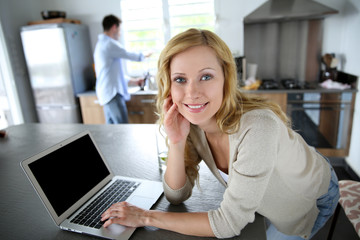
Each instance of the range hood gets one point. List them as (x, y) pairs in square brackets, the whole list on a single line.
[(288, 10)]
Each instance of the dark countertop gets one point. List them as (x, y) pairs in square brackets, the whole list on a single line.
[(130, 150)]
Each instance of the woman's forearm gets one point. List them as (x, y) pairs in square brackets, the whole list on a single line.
[(175, 175), (195, 224)]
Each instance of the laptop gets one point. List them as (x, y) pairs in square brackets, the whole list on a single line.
[(72, 176)]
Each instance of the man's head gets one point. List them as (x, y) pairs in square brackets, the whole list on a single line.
[(111, 26)]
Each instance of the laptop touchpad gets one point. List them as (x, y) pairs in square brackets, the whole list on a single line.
[(116, 229), (142, 202)]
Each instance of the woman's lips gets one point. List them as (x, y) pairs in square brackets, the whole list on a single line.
[(196, 107)]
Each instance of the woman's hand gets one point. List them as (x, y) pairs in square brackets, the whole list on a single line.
[(177, 129), (176, 126), (125, 214), (131, 216)]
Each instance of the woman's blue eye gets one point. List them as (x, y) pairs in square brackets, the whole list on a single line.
[(179, 80), (206, 77)]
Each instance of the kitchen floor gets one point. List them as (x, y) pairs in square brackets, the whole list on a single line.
[(344, 230)]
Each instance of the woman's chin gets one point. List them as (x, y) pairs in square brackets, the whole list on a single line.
[(199, 122)]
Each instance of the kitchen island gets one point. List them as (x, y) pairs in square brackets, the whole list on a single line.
[(129, 149)]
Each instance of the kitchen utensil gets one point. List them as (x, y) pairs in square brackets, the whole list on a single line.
[(327, 58), (146, 77), (334, 63), (53, 14)]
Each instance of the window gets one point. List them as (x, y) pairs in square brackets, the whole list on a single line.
[(148, 25), (10, 110), (184, 14)]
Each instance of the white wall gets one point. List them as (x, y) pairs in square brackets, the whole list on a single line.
[(13, 15), (351, 47), (229, 24), (341, 35)]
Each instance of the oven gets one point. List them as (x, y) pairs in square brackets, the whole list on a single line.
[(323, 119)]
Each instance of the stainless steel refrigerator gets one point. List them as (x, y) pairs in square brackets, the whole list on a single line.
[(59, 61)]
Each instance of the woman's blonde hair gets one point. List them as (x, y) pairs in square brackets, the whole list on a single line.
[(234, 103)]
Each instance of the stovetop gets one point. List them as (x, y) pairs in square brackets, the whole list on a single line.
[(291, 84), (288, 83), (268, 84)]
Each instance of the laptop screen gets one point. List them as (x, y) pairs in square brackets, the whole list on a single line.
[(69, 172)]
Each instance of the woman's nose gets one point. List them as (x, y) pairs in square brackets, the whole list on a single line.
[(193, 89)]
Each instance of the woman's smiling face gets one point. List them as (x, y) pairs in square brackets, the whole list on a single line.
[(197, 82)]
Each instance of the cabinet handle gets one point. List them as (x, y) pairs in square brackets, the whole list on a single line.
[(136, 112), (147, 100)]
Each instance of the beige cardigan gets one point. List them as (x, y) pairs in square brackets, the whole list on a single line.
[(271, 172)]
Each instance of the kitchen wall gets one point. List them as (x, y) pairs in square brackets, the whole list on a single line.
[(341, 35), (230, 14), (13, 14)]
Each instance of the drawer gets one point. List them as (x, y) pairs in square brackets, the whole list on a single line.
[(141, 100), (141, 109)]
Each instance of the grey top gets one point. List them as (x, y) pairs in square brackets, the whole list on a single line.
[(271, 171)]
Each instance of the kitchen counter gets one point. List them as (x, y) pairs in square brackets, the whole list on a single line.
[(315, 90), (132, 90), (129, 149), (137, 91)]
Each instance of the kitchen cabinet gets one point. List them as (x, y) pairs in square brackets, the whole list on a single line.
[(276, 97), (141, 108), (92, 112)]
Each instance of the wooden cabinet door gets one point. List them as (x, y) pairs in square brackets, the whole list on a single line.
[(279, 98), (92, 112), (141, 109)]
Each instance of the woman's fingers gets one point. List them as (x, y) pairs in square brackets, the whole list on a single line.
[(175, 125), (171, 114), (168, 103), (123, 213), (114, 211)]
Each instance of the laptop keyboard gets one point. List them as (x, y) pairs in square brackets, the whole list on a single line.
[(119, 191)]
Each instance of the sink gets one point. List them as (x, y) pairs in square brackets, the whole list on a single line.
[(135, 90)]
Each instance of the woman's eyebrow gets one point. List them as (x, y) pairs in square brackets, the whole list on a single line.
[(177, 73), (201, 70), (207, 68)]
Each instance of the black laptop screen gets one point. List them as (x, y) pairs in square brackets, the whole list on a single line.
[(70, 172)]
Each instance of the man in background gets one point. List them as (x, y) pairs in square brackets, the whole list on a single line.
[(111, 82)]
